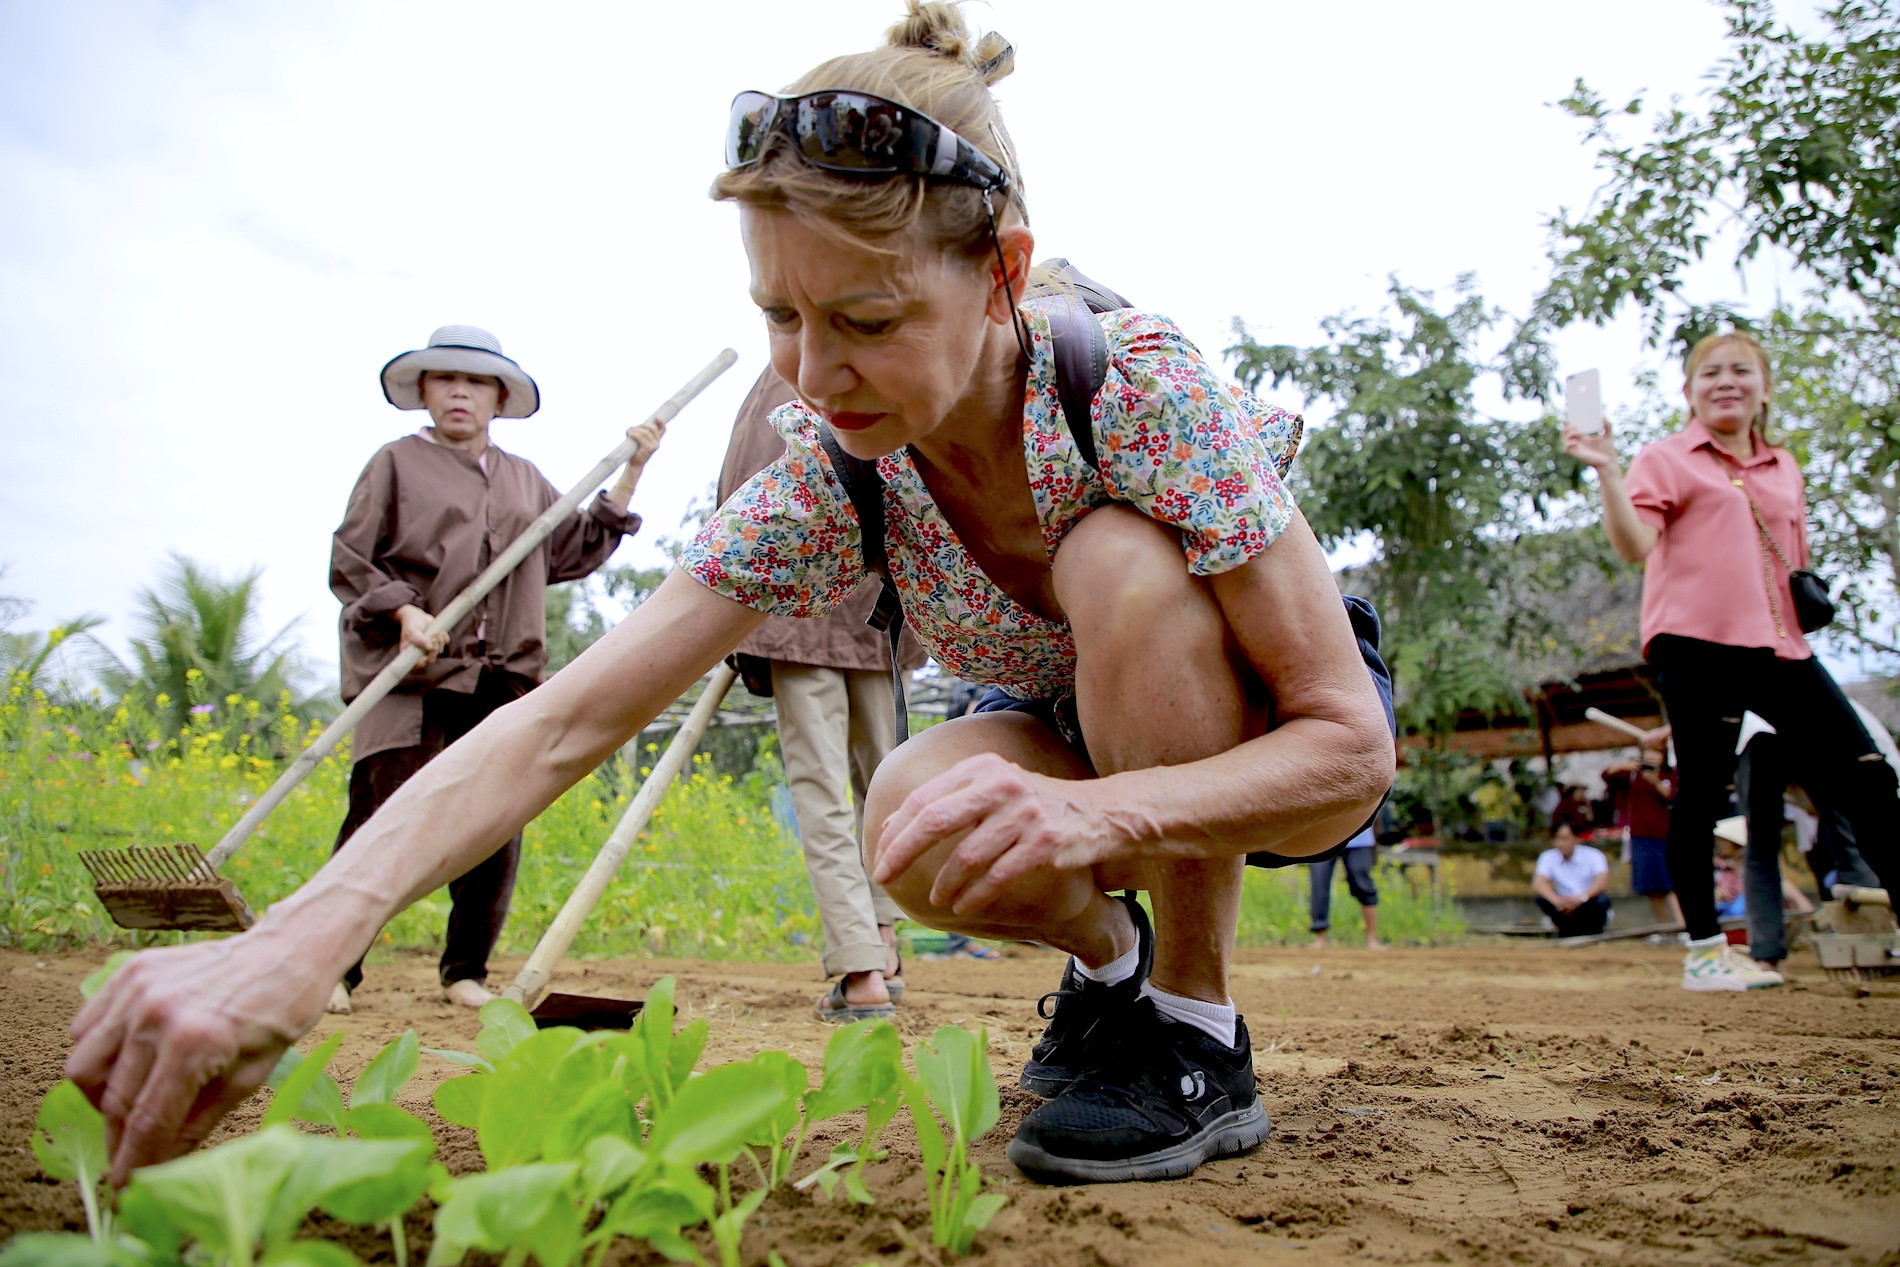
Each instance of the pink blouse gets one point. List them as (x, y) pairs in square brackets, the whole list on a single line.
[(1705, 578)]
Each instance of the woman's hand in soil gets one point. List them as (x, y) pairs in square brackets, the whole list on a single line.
[(1012, 822), (181, 1035)]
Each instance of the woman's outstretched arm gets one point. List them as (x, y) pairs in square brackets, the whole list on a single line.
[(182, 1034), (1630, 537)]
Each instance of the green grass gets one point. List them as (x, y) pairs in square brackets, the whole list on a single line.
[(1273, 910), (713, 876)]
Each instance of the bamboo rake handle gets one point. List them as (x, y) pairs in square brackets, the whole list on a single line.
[(449, 617), (1854, 895), (533, 981), (1602, 718)]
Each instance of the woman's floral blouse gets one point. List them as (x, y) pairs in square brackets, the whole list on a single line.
[(1175, 442)]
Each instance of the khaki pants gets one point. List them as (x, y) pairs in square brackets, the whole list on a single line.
[(834, 726)]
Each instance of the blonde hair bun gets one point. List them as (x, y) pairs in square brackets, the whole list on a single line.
[(938, 25)]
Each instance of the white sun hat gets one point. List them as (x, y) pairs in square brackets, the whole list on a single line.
[(1734, 830), (467, 350)]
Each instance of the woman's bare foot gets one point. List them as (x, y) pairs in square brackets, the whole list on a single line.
[(339, 1000), (1373, 943), (466, 992), (1319, 941)]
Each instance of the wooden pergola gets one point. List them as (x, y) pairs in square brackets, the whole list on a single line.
[(1552, 720)]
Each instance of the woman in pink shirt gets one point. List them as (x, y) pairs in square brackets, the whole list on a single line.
[(1719, 628)]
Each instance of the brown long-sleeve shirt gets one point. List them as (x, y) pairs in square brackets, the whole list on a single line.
[(423, 521), (840, 640)]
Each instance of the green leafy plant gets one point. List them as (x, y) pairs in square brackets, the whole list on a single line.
[(242, 1202), (70, 1143), (953, 1077), (864, 1069), (306, 1092)]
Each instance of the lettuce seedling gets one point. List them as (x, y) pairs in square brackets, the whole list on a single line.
[(864, 1063), (953, 1076), (245, 1199), (70, 1143), (304, 1088)]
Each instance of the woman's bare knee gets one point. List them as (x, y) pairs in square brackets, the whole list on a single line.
[(1016, 737)]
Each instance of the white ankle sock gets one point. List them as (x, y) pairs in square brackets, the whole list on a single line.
[(1115, 971), (1216, 1020)]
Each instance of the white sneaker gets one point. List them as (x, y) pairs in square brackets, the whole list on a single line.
[(1712, 964)]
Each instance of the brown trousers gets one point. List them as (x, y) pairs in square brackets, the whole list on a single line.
[(479, 899)]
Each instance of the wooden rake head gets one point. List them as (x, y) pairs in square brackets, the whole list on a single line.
[(165, 886)]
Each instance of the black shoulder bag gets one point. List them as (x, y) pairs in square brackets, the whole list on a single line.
[(1813, 607)]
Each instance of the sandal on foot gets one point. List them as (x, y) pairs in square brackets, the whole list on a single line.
[(894, 981), (833, 1009)]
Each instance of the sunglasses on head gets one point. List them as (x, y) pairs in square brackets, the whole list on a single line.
[(854, 132)]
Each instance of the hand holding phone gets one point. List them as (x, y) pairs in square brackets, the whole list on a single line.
[(1583, 404), (1586, 430)]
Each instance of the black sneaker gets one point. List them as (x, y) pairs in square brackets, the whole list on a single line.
[(1166, 1099), (1081, 1006)]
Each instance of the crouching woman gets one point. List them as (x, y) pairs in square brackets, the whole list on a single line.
[(1175, 683)]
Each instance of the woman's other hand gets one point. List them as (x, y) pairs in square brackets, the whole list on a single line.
[(1013, 823), (646, 442), (182, 1034), (415, 632)]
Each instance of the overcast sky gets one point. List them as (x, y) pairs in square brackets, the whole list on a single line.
[(218, 220)]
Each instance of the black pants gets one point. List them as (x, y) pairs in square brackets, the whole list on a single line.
[(1586, 920), (1706, 687), (479, 899)]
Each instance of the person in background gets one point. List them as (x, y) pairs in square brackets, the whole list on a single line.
[(1643, 790), (427, 515), (830, 680), (1737, 895), (1717, 515), (1359, 856), (1570, 881)]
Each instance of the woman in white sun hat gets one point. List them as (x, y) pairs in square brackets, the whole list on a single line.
[(429, 512)]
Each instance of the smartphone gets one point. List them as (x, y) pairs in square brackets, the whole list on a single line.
[(1583, 403)]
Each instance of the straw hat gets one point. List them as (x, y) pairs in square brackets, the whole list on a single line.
[(467, 350), (1734, 830)]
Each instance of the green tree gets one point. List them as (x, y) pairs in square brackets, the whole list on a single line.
[(198, 646), (1443, 489), (1837, 400), (1797, 148)]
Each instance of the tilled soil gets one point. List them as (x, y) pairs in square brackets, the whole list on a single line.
[(1492, 1103)]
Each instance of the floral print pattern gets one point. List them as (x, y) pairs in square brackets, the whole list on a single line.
[(1175, 443)]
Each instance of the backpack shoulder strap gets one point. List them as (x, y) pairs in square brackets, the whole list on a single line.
[(865, 487), (1081, 348), (1081, 355)]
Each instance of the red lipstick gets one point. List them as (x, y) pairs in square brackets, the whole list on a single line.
[(854, 422)]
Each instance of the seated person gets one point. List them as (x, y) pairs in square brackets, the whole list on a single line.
[(1731, 887), (1570, 881)]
